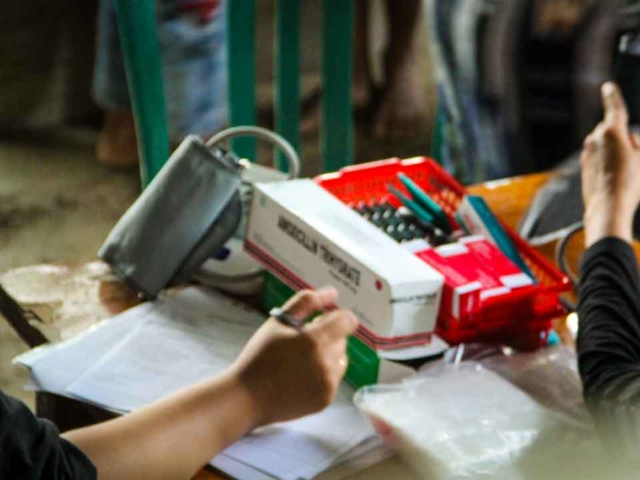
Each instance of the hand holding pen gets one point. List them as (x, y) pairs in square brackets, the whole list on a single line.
[(293, 368)]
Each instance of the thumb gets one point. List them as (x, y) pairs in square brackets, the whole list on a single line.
[(614, 105)]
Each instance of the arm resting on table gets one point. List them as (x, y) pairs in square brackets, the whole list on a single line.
[(283, 373), (173, 438)]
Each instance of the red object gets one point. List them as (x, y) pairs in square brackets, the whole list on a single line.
[(497, 263), (460, 293), (207, 9), (521, 318), (462, 259)]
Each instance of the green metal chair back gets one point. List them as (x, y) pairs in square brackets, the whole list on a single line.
[(139, 39), (138, 32)]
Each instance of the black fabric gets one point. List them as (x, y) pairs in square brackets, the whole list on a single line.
[(609, 335), (31, 448)]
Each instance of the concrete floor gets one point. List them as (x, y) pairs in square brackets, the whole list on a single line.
[(56, 204)]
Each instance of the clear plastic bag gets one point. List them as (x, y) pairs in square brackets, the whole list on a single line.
[(549, 375), (465, 421)]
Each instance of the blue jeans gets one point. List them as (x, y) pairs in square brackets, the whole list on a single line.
[(193, 50), (475, 147)]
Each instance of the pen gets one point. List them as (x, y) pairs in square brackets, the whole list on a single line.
[(420, 196), (417, 210), (285, 318)]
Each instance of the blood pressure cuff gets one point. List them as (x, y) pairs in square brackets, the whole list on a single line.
[(190, 209)]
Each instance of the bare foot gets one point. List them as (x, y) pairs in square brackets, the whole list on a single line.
[(401, 111), (117, 145)]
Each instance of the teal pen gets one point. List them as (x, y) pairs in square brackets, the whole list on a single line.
[(416, 209), (425, 201)]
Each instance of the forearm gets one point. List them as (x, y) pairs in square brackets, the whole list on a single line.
[(282, 373), (608, 217), (172, 438)]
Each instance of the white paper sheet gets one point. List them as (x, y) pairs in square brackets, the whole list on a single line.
[(174, 348), (238, 469), (306, 447), (54, 367)]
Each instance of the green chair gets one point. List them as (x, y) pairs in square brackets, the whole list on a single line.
[(137, 26)]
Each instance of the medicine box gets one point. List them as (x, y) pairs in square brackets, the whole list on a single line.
[(309, 239), (461, 292)]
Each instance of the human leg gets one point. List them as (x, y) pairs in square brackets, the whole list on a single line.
[(401, 110), (117, 144)]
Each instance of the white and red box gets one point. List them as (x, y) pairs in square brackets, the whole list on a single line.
[(461, 292), (474, 270)]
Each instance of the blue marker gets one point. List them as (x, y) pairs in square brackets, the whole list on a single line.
[(476, 217)]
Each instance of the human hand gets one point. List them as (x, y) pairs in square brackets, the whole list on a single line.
[(290, 373), (611, 172)]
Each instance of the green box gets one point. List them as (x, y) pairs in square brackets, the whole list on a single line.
[(274, 292)]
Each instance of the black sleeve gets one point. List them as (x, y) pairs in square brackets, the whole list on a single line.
[(31, 448), (609, 343), (609, 333)]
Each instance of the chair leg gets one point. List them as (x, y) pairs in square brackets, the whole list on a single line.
[(241, 57), (139, 39), (288, 75), (337, 126), (17, 318)]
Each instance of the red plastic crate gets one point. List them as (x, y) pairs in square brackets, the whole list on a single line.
[(522, 318)]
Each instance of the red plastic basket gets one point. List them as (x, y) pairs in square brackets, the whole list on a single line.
[(522, 318)]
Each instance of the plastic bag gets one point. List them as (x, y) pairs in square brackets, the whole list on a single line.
[(549, 375), (467, 422)]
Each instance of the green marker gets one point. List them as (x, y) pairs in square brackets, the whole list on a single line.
[(426, 202), (416, 209)]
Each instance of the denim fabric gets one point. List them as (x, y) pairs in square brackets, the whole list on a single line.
[(500, 120), (473, 150), (193, 48), (109, 79)]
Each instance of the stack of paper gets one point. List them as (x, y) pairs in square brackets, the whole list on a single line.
[(157, 348)]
